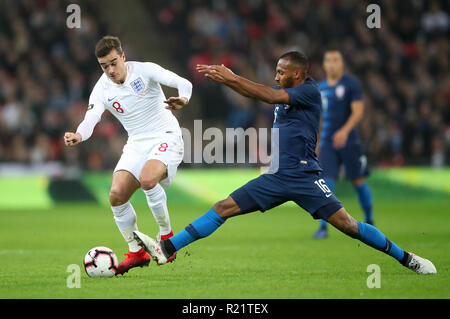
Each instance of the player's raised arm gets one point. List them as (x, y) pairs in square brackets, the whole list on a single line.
[(171, 79), (243, 86)]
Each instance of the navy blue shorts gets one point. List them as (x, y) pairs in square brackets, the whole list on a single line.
[(306, 189), (351, 156)]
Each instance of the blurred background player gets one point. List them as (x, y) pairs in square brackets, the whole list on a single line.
[(339, 140), (131, 91)]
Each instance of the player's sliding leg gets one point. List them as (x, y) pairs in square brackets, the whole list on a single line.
[(203, 226), (322, 232), (365, 198), (123, 185), (152, 173), (372, 237)]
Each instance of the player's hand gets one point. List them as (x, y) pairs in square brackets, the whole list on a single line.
[(218, 73), (340, 138), (176, 103), (72, 139)]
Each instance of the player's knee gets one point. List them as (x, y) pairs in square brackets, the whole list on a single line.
[(350, 227), (345, 223), (219, 207), (225, 208), (358, 181), (148, 183), (116, 197)]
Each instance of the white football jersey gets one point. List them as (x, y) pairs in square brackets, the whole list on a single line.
[(138, 103)]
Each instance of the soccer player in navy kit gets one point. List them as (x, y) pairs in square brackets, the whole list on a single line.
[(295, 175), (339, 139)]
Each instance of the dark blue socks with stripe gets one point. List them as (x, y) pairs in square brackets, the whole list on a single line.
[(208, 223), (371, 236), (201, 227)]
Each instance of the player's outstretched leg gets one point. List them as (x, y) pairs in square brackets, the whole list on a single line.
[(371, 236), (364, 198), (164, 251), (322, 232)]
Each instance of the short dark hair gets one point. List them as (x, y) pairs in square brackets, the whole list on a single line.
[(332, 48), (298, 58), (106, 44)]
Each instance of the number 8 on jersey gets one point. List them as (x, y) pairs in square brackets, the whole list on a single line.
[(117, 107)]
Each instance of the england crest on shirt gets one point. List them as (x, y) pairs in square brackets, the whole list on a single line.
[(340, 91), (138, 85)]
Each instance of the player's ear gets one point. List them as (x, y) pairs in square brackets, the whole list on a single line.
[(303, 73), (123, 56)]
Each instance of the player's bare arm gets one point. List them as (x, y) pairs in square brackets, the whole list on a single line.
[(340, 137), (243, 86)]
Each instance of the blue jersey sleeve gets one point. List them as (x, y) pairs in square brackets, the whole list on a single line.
[(355, 90), (305, 95)]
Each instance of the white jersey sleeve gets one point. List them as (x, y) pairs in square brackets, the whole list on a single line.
[(94, 112), (163, 76)]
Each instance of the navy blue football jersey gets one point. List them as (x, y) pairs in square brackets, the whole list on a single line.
[(336, 106), (298, 126)]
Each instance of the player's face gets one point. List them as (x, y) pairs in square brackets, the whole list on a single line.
[(114, 66), (287, 74), (333, 64)]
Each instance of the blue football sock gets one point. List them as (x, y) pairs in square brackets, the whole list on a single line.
[(323, 223), (365, 200), (201, 227), (331, 184), (371, 236)]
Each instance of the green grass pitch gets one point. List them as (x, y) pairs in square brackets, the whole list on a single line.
[(268, 255)]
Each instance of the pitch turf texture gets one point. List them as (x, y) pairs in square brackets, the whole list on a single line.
[(268, 255)]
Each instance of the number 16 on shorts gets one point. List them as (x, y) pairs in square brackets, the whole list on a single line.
[(323, 186)]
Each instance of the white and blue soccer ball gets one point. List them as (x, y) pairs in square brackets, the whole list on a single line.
[(100, 262)]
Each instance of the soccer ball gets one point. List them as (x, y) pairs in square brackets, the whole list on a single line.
[(100, 262)]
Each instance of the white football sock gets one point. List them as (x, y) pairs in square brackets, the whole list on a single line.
[(157, 201), (125, 218)]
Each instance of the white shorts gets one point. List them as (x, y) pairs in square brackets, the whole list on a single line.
[(167, 148)]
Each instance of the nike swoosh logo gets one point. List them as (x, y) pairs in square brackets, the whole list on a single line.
[(109, 100), (328, 195)]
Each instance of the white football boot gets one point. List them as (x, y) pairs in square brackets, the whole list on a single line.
[(420, 265), (153, 247)]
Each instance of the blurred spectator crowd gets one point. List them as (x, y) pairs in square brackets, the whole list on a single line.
[(403, 65), (47, 70)]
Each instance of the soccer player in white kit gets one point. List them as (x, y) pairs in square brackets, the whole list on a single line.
[(131, 91)]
